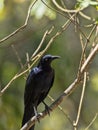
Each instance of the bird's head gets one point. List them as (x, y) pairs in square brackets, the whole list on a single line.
[(47, 59)]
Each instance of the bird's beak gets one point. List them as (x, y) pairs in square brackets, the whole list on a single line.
[(55, 57)]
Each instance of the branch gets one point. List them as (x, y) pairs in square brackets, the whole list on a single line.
[(63, 9), (61, 109), (47, 32), (67, 92), (23, 26), (75, 124), (96, 115)]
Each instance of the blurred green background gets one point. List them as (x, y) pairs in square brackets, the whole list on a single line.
[(67, 45)]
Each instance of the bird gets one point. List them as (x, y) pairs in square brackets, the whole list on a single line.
[(38, 84)]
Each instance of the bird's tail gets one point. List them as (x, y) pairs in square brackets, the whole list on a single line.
[(28, 113)]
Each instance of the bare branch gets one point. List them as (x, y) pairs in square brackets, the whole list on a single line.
[(23, 26), (89, 59), (63, 9), (47, 32), (17, 55), (18, 75), (28, 61), (95, 117), (84, 16), (67, 116), (81, 102)]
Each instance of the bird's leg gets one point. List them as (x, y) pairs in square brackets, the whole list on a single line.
[(47, 108), (36, 113)]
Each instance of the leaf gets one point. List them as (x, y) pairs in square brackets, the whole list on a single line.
[(82, 4)]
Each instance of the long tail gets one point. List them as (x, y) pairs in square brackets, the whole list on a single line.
[(28, 113)]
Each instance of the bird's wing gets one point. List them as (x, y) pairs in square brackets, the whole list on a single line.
[(44, 94), (52, 78), (29, 87)]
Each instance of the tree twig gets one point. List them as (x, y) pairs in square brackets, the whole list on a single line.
[(61, 109), (47, 32), (96, 115), (63, 9), (23, 26), (17, 55), (81, 102)]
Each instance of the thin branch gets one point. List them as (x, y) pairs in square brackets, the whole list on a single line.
[(59, 12), (95, 37), (71, 18), (23, 26), (17, 55), (28, 61), (84, 16), (95, 117), (47, 32), (18, 75), (81, 102), (84, 46), (63, 28), (89, 59), (63, 9), (67, 116)]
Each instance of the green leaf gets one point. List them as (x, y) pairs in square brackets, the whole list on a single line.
[(82, 4)]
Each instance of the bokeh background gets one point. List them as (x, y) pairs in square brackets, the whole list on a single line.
[(67, 45)]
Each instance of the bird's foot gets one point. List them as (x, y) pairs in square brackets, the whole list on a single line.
[(36, 114), (47, 108), (37, 117)]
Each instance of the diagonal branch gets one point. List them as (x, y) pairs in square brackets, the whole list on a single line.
[(63, 9), (23, 26), (95, 117), (75, 124)]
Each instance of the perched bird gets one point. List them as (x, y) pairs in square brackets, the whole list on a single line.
[(38, 84)]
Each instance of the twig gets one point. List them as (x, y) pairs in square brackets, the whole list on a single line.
[(23, 26), (89, 59), (67, 116), (95, 37), (28, 61), (96, 115), (81, 102), (17, 55), (69, 18), (17, 76), (47, 32), (63, 9), (84, 16), (63, 28)]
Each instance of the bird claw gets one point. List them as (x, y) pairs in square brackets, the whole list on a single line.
[(36, 114), (47, 108), (37, 117)]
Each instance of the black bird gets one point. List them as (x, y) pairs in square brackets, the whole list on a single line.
[(38, 84)]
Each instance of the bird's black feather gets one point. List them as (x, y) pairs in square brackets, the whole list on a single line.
[(38, 84)]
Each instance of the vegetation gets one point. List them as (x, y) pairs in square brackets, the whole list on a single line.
[(65, 28)]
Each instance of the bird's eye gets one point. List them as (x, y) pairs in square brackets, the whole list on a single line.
[(46, 59)]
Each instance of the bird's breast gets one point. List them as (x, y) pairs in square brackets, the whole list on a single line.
[(44, 79)]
